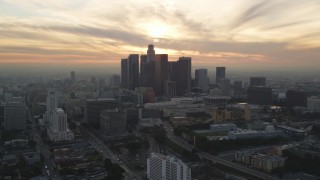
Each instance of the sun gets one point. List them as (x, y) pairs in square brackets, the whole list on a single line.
[(158, 30)]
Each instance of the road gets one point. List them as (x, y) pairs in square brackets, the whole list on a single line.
[(42, 148), (238, 167), (107, 153), (177, 140)]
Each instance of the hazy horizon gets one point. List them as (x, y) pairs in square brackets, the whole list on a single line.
[(245, 35)]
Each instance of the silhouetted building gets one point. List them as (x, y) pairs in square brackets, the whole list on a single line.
[(201, 79), (93, 107), (15, 116), (124, 73), (259, 95), (180, 72), (150, 53), (170, 88), (225, 87), (161, 73), (257, 81), (220, 74), (133, 71), (73, 76), (296, 98), (113, 122), (145, 72)]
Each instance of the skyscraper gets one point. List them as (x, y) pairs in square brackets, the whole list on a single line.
[(167, 167), (201, 78), (161, 73), (15, 116), (180, 72), (133, 71), (73, 76), (150, 53), (225, 87), (124, 73), (51, 104), (257, 81), (146, 72), (220, 74)]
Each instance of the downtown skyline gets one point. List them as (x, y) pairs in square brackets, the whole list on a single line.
[(245, 35)]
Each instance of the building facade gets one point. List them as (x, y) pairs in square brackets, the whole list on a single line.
[(160, 167), (201, 79), (58, 129), (15, 116), (220, 74), (113, 122)]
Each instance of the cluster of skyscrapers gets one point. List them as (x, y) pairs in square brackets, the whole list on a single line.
[(166, 78)]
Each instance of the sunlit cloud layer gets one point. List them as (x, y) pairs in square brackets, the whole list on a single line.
[(235, 33)]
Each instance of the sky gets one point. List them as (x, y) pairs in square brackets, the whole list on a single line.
[(96, 34)]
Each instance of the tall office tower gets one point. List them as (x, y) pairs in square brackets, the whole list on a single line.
[(15, 116), (51, 105), (257, 81), (93, 107), (115, 80), (150, 53), (220, 74), (225, 87), (73, 76), (180, 72), (58, 130), (170, 88), (1, 115), (113, 122), (296, 98), (161, 73), (124, 73), (237, 85), (146, 72), (167, 167), (201, 79), (259, 95), (133, 71)]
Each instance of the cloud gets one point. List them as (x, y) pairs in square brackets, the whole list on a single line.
[(250, 14)]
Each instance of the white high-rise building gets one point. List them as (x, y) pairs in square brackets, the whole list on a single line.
[(51, 105), (58, 129), (201, 78), (161, 167)]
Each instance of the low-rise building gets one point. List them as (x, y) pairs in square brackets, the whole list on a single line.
[(265, 162), (247, 134)]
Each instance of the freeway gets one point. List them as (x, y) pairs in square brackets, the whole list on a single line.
[(179, 141), (49, 165), (107, 153), (238, 167)]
